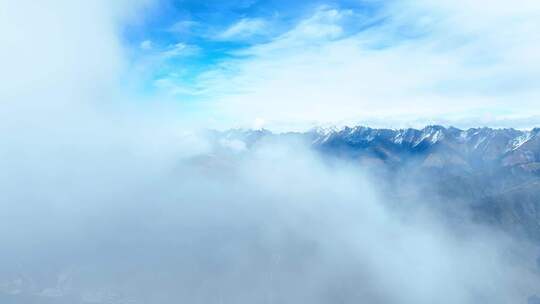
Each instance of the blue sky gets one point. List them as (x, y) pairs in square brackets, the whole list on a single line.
[(195, 36), (303, 63)]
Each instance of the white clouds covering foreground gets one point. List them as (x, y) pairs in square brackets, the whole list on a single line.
[(99, 201), (275, 225)]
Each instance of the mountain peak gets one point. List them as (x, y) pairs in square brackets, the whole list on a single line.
[(472, 146)]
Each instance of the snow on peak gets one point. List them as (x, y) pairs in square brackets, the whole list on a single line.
[(431, 134), (521, 140)]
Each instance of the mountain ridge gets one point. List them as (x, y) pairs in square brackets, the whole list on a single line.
[(495, 171), (473, 147)]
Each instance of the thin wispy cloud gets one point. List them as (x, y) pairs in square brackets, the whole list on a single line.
[(429, 59), (146, 45), (244, 29), (180, 49), (183, 26)]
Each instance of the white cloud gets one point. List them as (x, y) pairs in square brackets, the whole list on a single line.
[(182, 27), (243, 29), (180, 49), (258, 123), (146, 45), (173, 86), (323, 24), (40, 55), (233, 144), (460, 63)]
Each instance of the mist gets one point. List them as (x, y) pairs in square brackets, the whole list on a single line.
[(110, 200), (275, 224)]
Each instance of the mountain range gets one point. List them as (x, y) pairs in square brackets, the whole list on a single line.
[(489, 175)]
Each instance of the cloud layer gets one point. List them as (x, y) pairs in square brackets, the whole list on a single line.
[(436, 61)]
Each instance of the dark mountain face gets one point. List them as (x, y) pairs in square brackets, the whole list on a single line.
[(490, 175)]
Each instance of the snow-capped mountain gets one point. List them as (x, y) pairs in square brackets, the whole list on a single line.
[(495, 172), (432, 146), (449, 146)]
